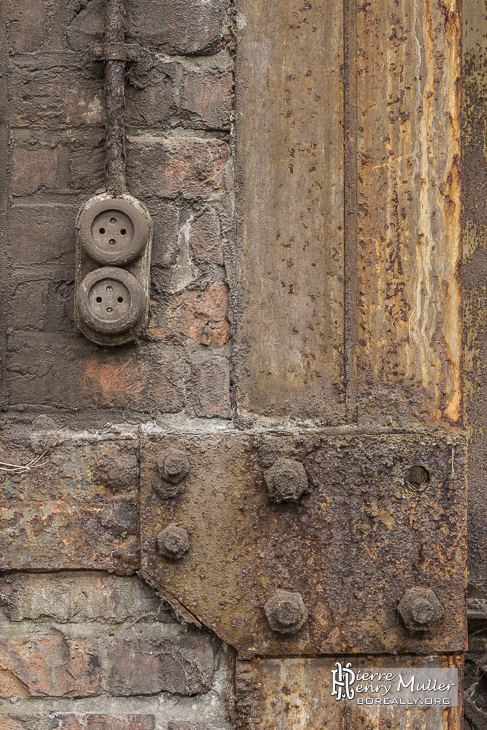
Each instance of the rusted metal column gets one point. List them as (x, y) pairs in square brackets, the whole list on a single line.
[(115, 100)]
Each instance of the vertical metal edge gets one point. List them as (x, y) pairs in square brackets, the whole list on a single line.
[(350, 210)]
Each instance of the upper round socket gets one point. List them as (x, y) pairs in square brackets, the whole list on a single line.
[(110, 300), (113, 231)]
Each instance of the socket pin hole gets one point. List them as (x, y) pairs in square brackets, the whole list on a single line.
[(109, 288), (120, 299), (113, 220), (109, 309), (123, 232), (99, 299), (112, 242), (102, 230)]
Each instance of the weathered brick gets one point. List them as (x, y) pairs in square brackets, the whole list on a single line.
[(53, 368), (58, 93), (46, 367), (27, 28), (206, 100), (166, 168), (103, 722), (210, 393), (79, 597), (48, 665), (41, 234), (42, 303), (171, 26), (194, 315), (165, 246), (149, 379), (33, 169), (205, 238), (178, 26), (150, 93), (15, 723), (145, 667)]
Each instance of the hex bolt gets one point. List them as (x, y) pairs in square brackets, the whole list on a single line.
[(419, 609), (173, 542), (285, 611), (173, 465), (286, 480)]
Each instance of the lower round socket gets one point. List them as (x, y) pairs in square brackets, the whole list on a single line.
[(110, 300)]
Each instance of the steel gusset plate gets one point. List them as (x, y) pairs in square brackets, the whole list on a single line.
[(351, 546)]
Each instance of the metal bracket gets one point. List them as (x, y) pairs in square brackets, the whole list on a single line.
[(320, 570)]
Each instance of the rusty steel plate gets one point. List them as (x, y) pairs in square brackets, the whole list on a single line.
[(296, 693), (351, 545), (71, 503)]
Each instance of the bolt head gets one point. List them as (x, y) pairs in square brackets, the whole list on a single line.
[(173, 465), (419, 609), (285, 611), (286, 480), (173, 542)]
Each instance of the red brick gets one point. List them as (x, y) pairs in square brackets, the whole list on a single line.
[(210, 394), (103, 722), (206, 100), (55, 666), (150, 94), (33, 169), (178, 26), (14, 723), (78, 597), (166, 168), (145, 667), (194, 315), (53, 368), (27, 27), (205, 238), (151, 381), (58, 95), (41, 234)]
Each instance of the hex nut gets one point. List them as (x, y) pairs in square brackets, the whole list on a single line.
[(173, 465), (173, 542), (419, 609), (286, 480), (110, 300), (285, 611), (113, 231)]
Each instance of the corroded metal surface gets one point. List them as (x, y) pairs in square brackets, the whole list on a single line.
[(295, 694), (75, 507), (351, 546), (289, 121), (409, 254)]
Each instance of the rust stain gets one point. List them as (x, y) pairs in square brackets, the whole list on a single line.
[(353, 542)]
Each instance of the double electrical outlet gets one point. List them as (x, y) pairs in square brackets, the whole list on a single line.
[(113, 252)]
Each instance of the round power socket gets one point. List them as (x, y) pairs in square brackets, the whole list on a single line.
[(110, 300), (113, 231)]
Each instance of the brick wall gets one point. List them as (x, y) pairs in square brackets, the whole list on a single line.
[(90, 650), (98, 651), (179, 103)]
